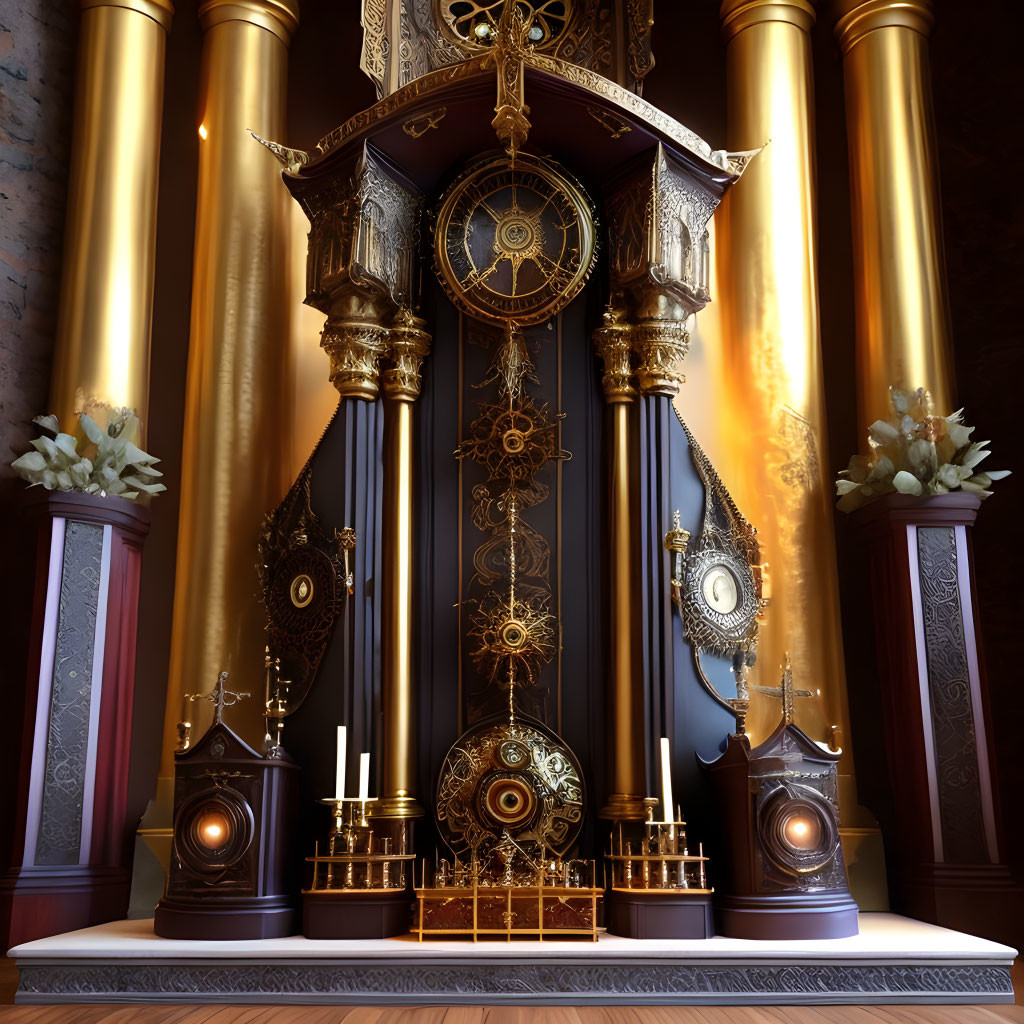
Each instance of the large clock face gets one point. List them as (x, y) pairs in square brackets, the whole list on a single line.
[(514, 243)]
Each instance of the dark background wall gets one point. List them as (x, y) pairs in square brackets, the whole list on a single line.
[(977, 88), (37, 66)]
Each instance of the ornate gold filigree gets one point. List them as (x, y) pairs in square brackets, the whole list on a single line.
[(660, 347), (515, 240), (521, 760), (726, 167), (511, 114), (615, 126), (290, 159), (407, 345), (612, 341), (354, 347), (417, 127)]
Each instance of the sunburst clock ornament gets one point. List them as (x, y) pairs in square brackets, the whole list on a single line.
[(515, 241)]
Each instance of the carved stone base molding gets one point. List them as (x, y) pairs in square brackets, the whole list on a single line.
[(70, 854), (892, 960), (934, 791)]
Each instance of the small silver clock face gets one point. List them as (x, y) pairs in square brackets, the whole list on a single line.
[(720, 589)]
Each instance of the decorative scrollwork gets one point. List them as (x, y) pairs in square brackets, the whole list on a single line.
[(509, 781), (511, 631), (304, 579)]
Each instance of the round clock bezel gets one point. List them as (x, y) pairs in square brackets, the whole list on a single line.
[(729, 628), (560, 182)]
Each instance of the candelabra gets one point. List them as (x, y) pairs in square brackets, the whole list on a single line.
[(359, 883), (657, 888)]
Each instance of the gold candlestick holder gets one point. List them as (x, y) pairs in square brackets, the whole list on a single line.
[(654, 856), (362, 854)]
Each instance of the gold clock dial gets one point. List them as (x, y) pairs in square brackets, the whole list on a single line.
[(514, 243)]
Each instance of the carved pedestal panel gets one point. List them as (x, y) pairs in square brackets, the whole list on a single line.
[(936, 797), (71, 852)]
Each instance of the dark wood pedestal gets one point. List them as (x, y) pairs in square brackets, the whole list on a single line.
[(354, 915), (785, 877), (640, 915), (232, 862), (227, 919), (71, 851), (787, 917), (924, 677)]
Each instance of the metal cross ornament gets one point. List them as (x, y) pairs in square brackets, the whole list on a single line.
[(785, 692), (221, 697)]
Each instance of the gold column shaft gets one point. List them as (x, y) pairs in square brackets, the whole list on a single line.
[(106, 300), (626, 799), (397, 612), (407, 345), (899, 270), (235, 442), (777, 467)]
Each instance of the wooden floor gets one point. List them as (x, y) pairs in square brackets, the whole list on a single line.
[(504, 1014), (510, 1015)]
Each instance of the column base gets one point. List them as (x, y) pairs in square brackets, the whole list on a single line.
[(623, 807), (397, 807), (645, 915), (37, 902), (355, 915), (980, 899), (226, 920), (787, 917)]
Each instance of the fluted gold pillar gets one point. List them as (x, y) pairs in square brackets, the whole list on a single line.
[(400, 382), (777, 465), (899, 270), (235, 444), (106, 301), (625, 802)]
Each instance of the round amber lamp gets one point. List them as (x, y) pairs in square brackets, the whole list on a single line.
[(213, 829), (802, 832)]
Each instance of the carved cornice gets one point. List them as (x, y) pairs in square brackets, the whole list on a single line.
[(859, 17), (407, 345)]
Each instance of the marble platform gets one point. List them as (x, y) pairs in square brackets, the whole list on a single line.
[(892, 960)]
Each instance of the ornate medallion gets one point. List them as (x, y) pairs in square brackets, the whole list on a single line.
[(514, 242), (509, 781), (721, 596)]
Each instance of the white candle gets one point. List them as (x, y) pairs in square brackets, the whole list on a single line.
[(666, 780), (364, 776), (339, 777)]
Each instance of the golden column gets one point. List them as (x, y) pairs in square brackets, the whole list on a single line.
[(899, 269), (625, 802), (407, 345), (236, 442), (106, 300), (778, 468)]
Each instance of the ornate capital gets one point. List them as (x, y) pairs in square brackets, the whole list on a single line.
[(660, 347), (407, 345), (858, 17), (354, 347), (281, 17), (161, 11), (740, 14), (612, 342)]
